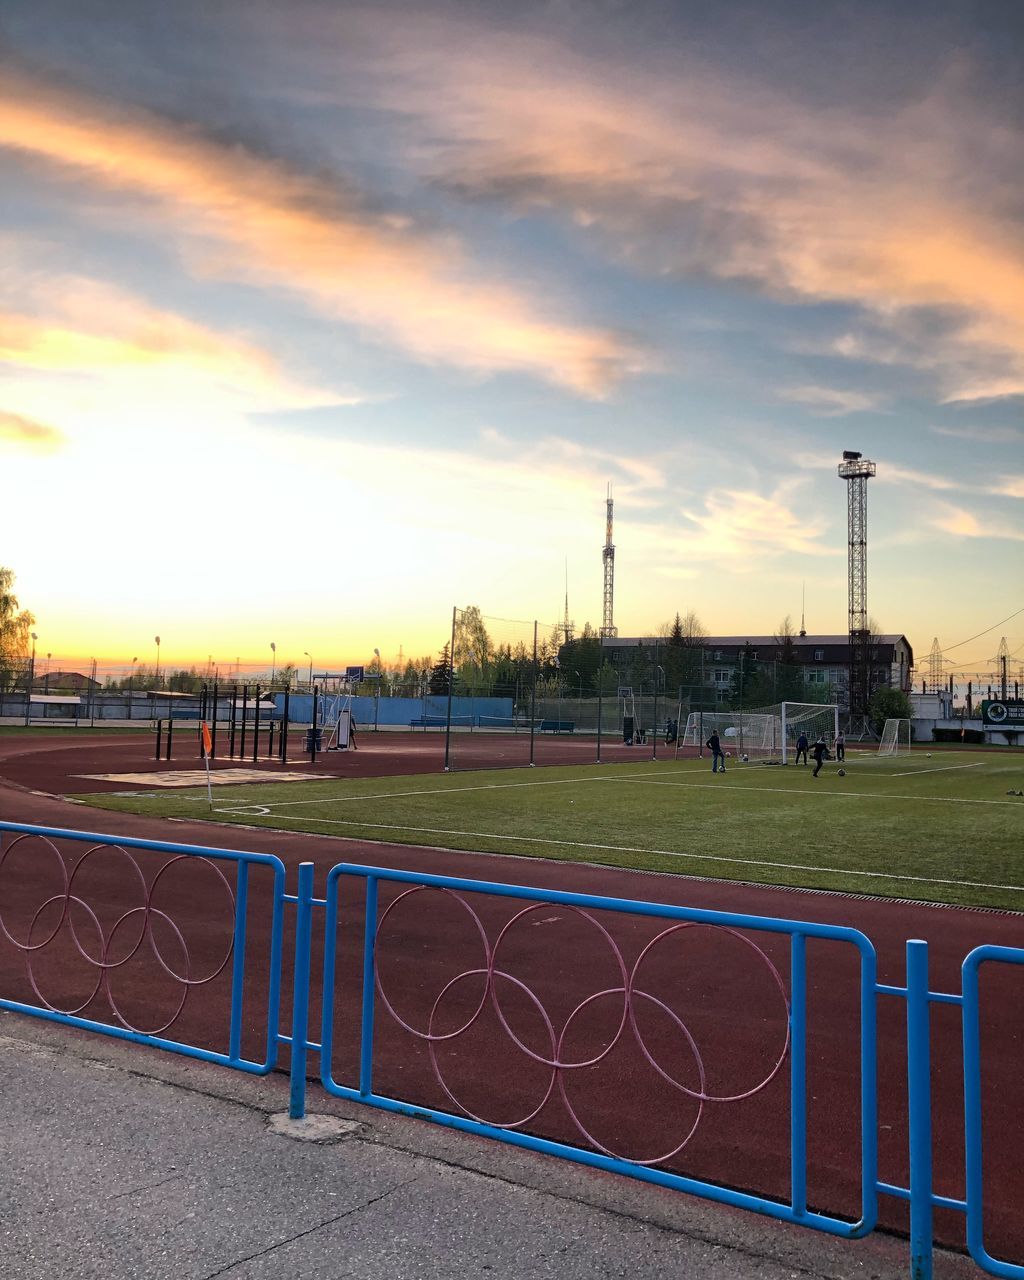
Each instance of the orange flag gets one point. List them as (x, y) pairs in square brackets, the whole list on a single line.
[(207, 740)]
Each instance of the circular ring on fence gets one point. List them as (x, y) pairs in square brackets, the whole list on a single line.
[(103, 963), (151, 910), (428, 1034), (773, 971), (699, 1098), (555, 1060), (490, 975), (29, 946), (31, 972), (183, 982)]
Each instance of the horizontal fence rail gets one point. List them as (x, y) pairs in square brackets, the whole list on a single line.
[(79, 912), (165, 921)]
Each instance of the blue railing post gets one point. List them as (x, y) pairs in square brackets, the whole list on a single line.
[(798, 1073), (919, 1110), (366, 1028), (300, 991), (238, 962)]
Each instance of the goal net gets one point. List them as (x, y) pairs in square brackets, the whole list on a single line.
[(765, 735), (895, 738)]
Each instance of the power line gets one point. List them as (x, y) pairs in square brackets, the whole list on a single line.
[(946, 648)]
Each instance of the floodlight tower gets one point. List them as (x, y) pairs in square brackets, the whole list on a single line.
[(856, 470), (1003, 668), (608, 627)]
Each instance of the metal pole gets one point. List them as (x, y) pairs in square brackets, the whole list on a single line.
[(283, 738), (245, 717), (919, 1110), (600, 703), (451, 682), (233, 720), (256, 729), (213, 724), (170, 731), (300, 997), (533, 695)]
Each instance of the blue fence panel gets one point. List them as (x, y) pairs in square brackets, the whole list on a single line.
[(795, 1210), (972, 1104), (111, 953)]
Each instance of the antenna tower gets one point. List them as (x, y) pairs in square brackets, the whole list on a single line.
[(935, 668), (1002, 661), (608, 627), (856, 470), (568, 628)]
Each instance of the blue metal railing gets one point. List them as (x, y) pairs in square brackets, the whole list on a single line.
[(796, 1209), (919, 1194), (104, 964)]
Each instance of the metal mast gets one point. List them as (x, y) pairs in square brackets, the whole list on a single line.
[(856, 470), (608, 627), (568, 627), (935, 679), (1003, 668)]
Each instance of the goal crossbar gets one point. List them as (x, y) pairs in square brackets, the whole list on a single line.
[(763, 734)]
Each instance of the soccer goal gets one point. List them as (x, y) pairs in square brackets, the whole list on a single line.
[(763, 735), (895, 738)]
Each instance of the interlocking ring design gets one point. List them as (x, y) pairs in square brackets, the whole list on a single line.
[(560, 1068), (106, 958)]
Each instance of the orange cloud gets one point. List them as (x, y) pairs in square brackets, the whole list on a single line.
[(273, 226), (685, 172), (29, 434)]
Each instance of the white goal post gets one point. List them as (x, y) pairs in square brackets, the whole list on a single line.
[(895, 738), (765, 735)]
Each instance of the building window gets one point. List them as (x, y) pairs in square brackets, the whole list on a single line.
[(718, 655), (816, 677), (722, 676), (819, 655), (753, 655)]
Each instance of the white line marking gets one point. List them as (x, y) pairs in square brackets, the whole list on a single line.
[(862, 795), (943, 768), (663, 853)]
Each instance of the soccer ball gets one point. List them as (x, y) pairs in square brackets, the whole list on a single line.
[(842, 773), (729, 754), (928, 755), (744, 758)]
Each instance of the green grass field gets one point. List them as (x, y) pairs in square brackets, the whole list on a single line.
[(935, 829)]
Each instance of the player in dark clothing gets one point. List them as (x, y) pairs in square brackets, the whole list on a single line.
[(801, 748), (714, 745), (820, 753)]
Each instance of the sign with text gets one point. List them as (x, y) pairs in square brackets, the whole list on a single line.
[(997, 714)]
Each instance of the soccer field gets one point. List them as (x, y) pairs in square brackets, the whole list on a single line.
[(938, 829)]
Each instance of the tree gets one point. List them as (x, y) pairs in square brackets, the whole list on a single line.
[(888, 704), (15, 626), (471, 656), (441, 672), (789, 685)]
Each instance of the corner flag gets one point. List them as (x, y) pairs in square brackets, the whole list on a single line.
[(207, 752)]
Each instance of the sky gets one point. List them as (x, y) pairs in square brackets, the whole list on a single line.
[(318, 319)]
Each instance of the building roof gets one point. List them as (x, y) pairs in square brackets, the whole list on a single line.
[(767, 642)]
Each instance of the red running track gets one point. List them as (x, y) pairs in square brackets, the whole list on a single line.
[(732, 1008)]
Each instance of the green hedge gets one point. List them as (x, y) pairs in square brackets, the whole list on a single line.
[(953, 735)]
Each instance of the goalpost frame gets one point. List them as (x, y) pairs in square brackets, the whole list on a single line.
[(895, 741), (785, 736)]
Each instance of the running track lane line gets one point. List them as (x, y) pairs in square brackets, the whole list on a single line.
[(663, 853)]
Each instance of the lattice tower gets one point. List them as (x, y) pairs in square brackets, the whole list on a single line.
[(1002, 661), (568, 627), (856, 470), (608, 627), (935, 680)]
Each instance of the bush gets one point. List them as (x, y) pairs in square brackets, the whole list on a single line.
[(953, 735)]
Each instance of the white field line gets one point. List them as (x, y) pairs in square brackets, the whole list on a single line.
[(431, 791), (942, 768), (793, 791), (662, 853)]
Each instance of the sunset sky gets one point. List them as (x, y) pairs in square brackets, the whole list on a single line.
[(319, 318)]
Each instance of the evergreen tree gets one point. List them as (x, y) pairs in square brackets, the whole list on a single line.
[(441, 673)]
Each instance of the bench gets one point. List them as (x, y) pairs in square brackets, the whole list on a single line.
[(558, 726), (428, 722)]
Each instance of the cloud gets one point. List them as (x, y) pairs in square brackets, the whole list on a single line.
[(830, 402), (965, 524), (743, 526), (684, 170), (85, 326), (28, 434), (982, 435), (241, 215)]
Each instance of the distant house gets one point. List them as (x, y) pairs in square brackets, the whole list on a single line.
[(64, 682)]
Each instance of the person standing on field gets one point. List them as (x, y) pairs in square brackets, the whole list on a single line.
[(714, 745), (840, 746), (820, 753), (801, 748)]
